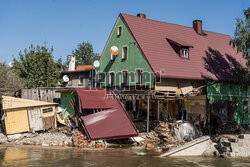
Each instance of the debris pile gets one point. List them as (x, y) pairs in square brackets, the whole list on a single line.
[(164, 137), (42, 138), (230, 128), (80, 140), (168, 135)]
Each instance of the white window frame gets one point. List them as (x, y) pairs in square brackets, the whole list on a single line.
[(110, 81), (185, 53), (101, 77), (112, 57), (119, 33), (137, 78), (122, 79), (80, 82), (123, 52)]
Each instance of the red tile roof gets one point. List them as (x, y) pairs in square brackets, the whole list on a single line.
[(84, 67), (211, 56), (80, 68)]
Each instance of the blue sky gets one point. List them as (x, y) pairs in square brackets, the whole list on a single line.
[(65, 23)]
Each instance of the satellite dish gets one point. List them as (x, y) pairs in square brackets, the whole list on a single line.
[(96, 64), (66, 78), (114, 50), (10, 64)]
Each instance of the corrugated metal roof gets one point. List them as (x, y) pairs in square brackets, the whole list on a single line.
[(211, 55), (13, 103), (109, 124), (112, 123), (96, 98)]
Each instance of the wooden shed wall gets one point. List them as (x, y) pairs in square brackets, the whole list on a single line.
[(49, 117), (16, 121)]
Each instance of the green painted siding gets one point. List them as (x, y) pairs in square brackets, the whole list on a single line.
[(67, 109), (230, 91), (135, 59)]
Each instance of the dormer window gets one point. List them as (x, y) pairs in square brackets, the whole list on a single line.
[(184, 52), (119, 31), (180, 47)]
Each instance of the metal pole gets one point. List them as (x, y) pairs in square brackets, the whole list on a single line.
[(148, 116), (92, 75), (95, 77), (158, 110)]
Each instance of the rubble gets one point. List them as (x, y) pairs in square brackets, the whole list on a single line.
[(43, 138), (166, 136), (80, 140), (229, 146)]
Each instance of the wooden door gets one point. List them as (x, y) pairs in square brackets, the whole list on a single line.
[(35, 119), (16, 121)]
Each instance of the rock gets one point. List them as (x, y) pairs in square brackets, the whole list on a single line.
[(232, 140), (148, 146), (226, 144), (241, 136), (45, 145), (3, 138), (14, 137)]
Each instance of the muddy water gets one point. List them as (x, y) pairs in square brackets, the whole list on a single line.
[(42, 156)]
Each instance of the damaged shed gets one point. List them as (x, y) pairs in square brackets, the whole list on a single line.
[(22, 115), (100, 114)]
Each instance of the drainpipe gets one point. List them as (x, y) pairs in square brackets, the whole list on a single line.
[(148, 115), (95, 77), (92, 76)]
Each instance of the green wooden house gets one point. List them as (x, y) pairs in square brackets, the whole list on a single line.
[(171, 61)]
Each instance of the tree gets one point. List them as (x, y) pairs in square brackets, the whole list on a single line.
[(37, 67), (84, 54), (10, 82), (242, 41), (241, 35)]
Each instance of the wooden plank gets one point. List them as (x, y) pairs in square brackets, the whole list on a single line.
[(12, 102), (186, 87), (48, 122), (35, 119)]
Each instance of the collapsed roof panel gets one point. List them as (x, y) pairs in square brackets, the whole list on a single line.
[(109, 124), (96, 98)]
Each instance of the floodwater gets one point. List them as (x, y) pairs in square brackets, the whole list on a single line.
[(129, 157)]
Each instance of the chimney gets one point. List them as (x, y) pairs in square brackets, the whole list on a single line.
[(197, 25), (141, 15), (72, 62)]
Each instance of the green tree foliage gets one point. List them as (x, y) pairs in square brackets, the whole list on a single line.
[(241, 40), (37, 67), (10, 82), (84, 54), (241, 35)]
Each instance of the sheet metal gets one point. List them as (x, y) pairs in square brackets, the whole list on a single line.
[(109, 124), (112, 123), (96, 98)]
